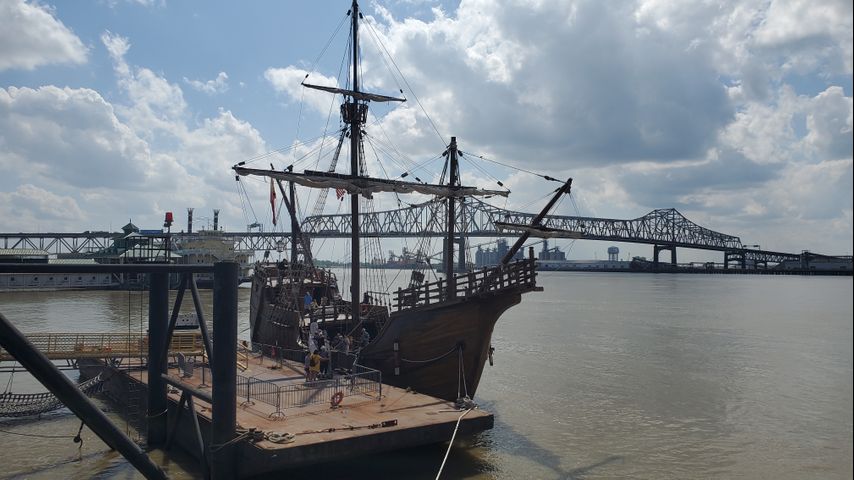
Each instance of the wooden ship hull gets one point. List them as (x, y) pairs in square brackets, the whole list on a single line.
[(431, 343), (441, 349)]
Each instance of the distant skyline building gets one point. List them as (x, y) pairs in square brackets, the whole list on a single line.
[(551, 254), (492, 256)]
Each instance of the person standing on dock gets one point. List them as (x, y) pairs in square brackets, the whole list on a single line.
[(313, 366), (324, 361), (312, 336), (338, 342)]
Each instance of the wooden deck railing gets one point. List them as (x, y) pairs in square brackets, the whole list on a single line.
[(521, 273)]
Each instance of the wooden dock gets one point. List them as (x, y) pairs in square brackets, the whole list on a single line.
[(288, 423)]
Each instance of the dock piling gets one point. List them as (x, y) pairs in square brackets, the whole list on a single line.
[(224, 371), (158, 344)]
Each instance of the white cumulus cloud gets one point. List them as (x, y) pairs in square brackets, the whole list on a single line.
[(32, 36), (289, 80), (37, 209), (210, 87), (68, 135)]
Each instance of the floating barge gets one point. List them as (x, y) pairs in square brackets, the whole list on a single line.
[(286, 422)]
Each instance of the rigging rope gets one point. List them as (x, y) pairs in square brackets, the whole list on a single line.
[(241, 192), (551, 179), (379, 43), (328, 43), (382, 167), (295, 144), (403, 157), (411, 90), (483, 170)]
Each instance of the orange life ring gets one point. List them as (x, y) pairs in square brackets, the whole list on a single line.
[(336, 399)]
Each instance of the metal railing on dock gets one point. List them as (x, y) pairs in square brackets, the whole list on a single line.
[(288, 393), (75, 346)]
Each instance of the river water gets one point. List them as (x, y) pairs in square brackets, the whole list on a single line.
[(602, 375)]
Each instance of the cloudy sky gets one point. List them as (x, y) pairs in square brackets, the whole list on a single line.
[(737, 113)]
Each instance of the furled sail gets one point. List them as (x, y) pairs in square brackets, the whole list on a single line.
[(367, 186), (365, 96), (538, 231)]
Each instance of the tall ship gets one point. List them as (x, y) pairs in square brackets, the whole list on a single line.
[(432, 336)]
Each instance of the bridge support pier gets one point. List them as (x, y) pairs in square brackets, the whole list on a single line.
[(659, 248), (461, 257), (732, 256)]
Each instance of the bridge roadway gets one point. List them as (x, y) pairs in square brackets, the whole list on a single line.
[(665, 229)]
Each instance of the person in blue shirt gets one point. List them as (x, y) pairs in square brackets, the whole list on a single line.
[(307, 301)]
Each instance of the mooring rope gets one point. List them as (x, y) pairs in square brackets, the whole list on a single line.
[(215, 448), (164, 412), (35, 435), (463, 376), (451, 443), (9, 383)]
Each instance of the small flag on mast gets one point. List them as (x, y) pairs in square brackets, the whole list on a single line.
[(340, 192), (273, 200)]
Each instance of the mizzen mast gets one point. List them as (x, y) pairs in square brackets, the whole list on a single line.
[(453, 180)]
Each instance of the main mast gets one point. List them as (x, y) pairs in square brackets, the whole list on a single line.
[(353, 113)]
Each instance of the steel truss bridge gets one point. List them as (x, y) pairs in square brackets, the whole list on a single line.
[(665, 229), (88, 243)]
